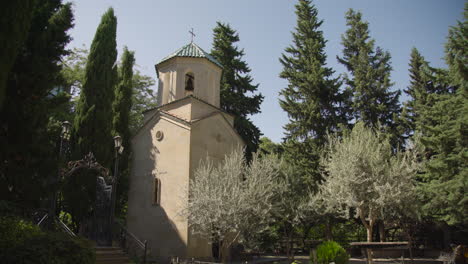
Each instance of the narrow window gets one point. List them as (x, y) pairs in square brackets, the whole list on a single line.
[(156, 191), (189, 83)]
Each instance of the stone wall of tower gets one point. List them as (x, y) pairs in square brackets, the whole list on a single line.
[(211, 138), (172, 76), (168, 159)]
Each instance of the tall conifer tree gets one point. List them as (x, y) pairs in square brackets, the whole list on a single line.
[(15, 20), (424, 81), (121, 108), (444, 134), (417, 91), (238, 94), (93, 122), (372, 100), (27, 152), (312, 97)]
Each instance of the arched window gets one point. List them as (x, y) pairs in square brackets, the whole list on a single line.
[(156, 191), (189, 83)]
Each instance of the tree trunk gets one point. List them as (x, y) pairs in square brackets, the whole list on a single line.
[(447, 235), (369, 227), (328, 229), (307, 228), (370, 232), (225, 246), (410, 247), (381, 225), (288, 235), (224, 254), (289, 246)]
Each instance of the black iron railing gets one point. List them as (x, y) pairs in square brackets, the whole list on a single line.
[(62, 226), (131, 244)]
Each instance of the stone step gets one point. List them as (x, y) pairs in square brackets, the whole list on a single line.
[(111, 255)]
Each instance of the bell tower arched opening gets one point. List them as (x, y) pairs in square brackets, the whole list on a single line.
[(189, 83)]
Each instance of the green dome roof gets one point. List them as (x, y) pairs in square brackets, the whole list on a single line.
[(191, 50)]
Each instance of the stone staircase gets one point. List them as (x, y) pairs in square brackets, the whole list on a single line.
[(111, 255)]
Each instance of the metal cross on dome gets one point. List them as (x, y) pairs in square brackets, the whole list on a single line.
[(192, 33)]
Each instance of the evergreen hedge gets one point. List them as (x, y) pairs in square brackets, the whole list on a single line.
[(22, 242), (330, 251)]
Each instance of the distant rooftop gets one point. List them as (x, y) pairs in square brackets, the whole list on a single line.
[(191, 50)]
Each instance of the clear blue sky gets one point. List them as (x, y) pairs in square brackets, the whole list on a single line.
[(154, 29)]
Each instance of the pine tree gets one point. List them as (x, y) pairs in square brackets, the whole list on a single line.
[(312, 96), (27, 152), (236, 85), (372, 100), (444, 136), (93, 122), (15, 20), (121, 110), (417, 91), (424, 81)]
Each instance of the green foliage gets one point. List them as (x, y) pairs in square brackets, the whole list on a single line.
[(424, 81), (143, 99), (268, 147), (123, 98), (369, 83), (362, 172), (15, 20), (93, 121), (312, 95), (73, 71), (236, 85), (331, 251), (444, 126), (456, 51), (79, 194), (444, 181), (343, 232), (24, 242), (28, 153), (121, 108)]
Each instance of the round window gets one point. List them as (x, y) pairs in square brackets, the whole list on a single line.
[(159, 135)]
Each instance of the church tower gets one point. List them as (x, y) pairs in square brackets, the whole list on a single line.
[(186, 127), (189, 71)]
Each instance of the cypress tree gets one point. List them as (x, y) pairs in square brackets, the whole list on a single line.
[(236, 85), (312, 97), (92, 128), (121, 108), (15, 20), (369, 80), (27, 152)]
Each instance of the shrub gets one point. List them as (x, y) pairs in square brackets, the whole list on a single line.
[(24, 243), (331, 251)]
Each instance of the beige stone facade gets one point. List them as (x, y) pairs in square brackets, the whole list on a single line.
[(185, 129)]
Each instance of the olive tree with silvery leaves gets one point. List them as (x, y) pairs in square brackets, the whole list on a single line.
[(232, 198), (363, 175)]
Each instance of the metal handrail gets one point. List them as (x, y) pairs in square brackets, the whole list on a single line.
[(66, 228), (42, 219), (60, 224), (143, 245)]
